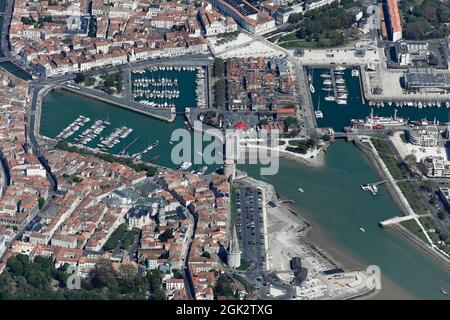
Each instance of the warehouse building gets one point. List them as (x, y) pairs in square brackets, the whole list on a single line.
[(426, 80)]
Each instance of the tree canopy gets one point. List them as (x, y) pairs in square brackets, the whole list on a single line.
[(39, 279)]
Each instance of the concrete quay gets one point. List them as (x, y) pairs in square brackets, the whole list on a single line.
[(158, 113), (389, 82), (340, 56)]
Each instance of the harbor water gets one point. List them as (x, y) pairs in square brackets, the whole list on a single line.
[(335, 204), (338, 116), (161, 87), (15, 70), (9, 66), (60, 108)]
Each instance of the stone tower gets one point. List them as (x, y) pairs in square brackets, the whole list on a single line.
[(229, 168), (234, 252)]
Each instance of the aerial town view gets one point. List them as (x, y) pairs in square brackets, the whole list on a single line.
[(225, 150)]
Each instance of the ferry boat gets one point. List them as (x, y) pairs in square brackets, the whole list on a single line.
[(185, 165), (372, 121), (311, 88)]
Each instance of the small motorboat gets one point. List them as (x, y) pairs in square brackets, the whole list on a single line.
[(362, 230), (300, 189)]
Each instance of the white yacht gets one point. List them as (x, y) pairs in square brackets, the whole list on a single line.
[(185, 165)]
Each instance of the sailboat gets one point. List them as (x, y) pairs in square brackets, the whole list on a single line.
[(310, 75), (318, 113), (107, 119), (330, 97)]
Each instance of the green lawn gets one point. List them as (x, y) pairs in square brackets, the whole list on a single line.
[(244, 265), (289, 37), (274, 38), (414, 199), (414, 228), (89, 82), (403, 137), (115, 237), (297, 44), (129, 239), (388, 158)]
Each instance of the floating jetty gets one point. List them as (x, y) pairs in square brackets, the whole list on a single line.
[(334, 82), (73, 127), (372, 187), (92, 132), (139, 155), (114, 138), (124, 150)]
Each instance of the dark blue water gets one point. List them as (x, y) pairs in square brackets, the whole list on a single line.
[(338, 116)]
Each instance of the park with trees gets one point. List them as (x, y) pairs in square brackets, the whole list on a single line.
[(425, 19), (39, 279), (328, 26)]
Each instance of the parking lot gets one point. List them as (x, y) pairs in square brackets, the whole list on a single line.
[(250, 225)]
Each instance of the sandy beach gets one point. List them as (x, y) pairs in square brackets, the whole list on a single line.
[(344, 259), (315, 160)]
